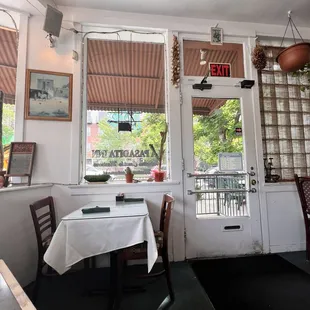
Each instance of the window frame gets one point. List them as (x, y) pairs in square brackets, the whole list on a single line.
[(275, 123), (83, 146)]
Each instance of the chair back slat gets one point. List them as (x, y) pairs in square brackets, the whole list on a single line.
[(48, 237), (44, 215), (303, 187), (44, 229), (48, 223), (165, 215), (48, 220)]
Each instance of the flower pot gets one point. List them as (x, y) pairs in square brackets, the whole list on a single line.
[(159, 176), (294, 57), (129, 178)]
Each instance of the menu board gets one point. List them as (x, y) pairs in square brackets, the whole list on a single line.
[(21, 159), (230, 162)]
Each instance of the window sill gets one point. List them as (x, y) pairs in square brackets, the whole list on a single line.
[(24, 188), (127, 188), (121, 184)]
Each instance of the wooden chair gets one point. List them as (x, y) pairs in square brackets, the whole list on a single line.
[(303, 187), (140, 251), (44, 220)]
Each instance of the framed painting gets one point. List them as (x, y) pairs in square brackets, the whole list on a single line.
[(48, 95), (21, 160), (216, 36)]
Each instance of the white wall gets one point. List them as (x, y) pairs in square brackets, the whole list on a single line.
[(18, 245), (6, 20), (172, 23), (285, 219), (53, 138)]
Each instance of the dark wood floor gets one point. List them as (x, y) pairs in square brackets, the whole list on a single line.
[(69, 291)]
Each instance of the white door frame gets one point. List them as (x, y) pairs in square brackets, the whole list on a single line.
[(205, 236), (260, 236)]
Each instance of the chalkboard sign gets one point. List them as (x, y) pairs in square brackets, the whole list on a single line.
[(21, 160)]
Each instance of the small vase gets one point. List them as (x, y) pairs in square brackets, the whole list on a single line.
[(129, 178), (159, 176)]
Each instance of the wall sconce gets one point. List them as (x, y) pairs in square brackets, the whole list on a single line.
[(203, 57)]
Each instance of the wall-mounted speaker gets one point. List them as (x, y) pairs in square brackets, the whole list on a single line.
[(53, 20)]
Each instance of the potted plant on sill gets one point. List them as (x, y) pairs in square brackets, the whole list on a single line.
[(160, 174), (129, 175)]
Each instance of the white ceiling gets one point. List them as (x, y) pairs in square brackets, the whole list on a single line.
[(257, 11), (20, 5)]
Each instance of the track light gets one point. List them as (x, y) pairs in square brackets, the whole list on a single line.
[(203, 57)]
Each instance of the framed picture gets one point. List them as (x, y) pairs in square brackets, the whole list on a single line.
[(21, 160), (48, 96), (216, 36)]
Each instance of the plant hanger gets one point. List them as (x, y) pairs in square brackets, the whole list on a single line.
[(292, 24), (296, 56)]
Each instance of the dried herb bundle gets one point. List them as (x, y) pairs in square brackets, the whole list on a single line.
[(175, 62), (259, 59)]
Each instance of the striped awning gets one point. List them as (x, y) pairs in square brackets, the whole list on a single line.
[(126, 76), (8, 64), (129, 76)]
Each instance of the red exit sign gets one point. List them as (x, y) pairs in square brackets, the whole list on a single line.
[(222, 70)]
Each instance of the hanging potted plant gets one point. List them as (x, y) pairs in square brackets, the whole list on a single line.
[(304, 73), (296, 56), (159, 174)]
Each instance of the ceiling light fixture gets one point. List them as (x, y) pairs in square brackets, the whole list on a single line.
[(203, 57)]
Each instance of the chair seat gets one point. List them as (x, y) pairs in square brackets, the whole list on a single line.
[(141, 248)]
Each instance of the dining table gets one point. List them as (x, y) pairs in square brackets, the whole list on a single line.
[(12, 296), (81, 235)]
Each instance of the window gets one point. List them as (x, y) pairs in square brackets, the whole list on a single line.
[(285, 117), (228, 53), (88, 131), (126, 91), (8, 61), (88, 147)]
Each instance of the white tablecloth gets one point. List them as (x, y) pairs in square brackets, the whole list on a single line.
[(79, 235)]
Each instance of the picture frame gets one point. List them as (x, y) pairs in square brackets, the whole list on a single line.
[(216, 36), (48, 95), (21, 160)]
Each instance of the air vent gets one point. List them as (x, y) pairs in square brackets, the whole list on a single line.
[(233, 228)]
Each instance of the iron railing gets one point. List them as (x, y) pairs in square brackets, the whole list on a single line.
[(221, 194)]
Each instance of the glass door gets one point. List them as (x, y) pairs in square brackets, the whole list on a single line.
[(222, 216)]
